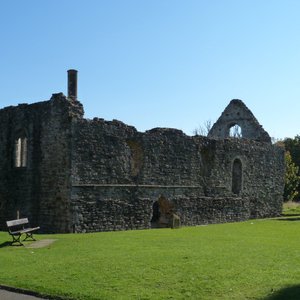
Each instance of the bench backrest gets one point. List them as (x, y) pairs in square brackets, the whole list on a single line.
[(17, 222)]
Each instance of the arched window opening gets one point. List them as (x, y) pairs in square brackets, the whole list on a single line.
[(235, 131), (21, 152), (237, 176)]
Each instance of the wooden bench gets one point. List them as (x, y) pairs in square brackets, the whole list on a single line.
[(18, 227)]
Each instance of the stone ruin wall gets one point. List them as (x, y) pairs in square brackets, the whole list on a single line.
[(262, 179), (93, 175), (16, 186), (39, 191), (119, 173), (237, 113)]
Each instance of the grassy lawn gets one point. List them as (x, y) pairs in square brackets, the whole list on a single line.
[(258, 259)]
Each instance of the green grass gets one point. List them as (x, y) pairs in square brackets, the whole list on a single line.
[(249, 260), (291, 208)]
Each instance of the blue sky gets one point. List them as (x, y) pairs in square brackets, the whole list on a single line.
[(157, 63)]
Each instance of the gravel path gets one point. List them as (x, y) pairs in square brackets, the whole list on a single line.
[(7, 295)]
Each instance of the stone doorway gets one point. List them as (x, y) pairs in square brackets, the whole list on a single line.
[(162, 213)]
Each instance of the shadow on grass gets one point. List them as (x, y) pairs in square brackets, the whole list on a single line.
[(287, 293), (290, 215), (289, 219), (5, 244)]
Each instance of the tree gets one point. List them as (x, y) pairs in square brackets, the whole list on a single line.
[(293, 146), (203, 129), (292, 179)]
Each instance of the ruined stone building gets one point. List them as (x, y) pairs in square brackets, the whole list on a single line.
[(71, 174)]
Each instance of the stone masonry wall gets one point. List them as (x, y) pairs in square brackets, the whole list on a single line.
[(237, 113), (118, 174), (55, 164), (262, 178), (93, 175), (106, 208), (39, 191), (17, 190)]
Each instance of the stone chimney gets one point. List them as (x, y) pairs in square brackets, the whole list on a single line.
[(72, 84)]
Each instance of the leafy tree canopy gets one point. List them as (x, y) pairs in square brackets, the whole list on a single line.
[(293, 146), (292, 164), (292, 179)]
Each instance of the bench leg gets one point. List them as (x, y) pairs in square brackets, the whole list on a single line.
[(29, 235), (16, 239)]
